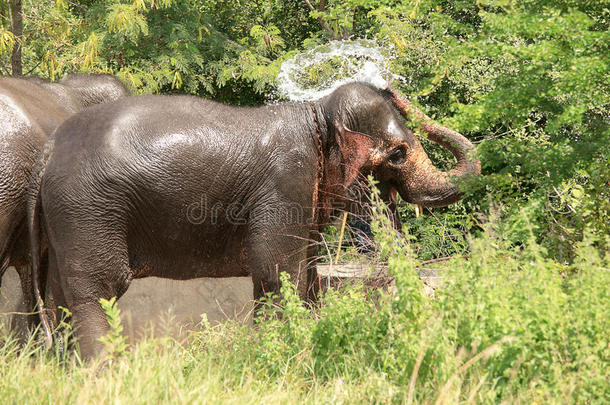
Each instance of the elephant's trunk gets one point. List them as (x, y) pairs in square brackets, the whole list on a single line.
[(432, 187)]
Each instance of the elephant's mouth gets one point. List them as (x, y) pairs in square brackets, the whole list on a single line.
[(393, 193)]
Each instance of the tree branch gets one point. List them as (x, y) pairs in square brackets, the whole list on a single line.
[(323, 24)]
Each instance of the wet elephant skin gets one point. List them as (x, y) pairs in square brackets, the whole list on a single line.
[(30, 110), (181, 187)]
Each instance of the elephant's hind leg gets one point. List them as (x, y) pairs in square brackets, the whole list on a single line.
[(14, 249), (88, 272)]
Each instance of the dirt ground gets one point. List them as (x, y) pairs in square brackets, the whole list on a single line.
[(169, 307)]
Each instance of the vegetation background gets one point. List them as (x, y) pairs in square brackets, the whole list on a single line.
[(524, 318)]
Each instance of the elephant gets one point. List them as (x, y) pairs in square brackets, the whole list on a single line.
[(181, 187), (30, 110)]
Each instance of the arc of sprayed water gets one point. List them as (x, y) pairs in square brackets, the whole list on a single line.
[(363, 60)]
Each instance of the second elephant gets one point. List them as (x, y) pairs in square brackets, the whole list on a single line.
[(30, 110)]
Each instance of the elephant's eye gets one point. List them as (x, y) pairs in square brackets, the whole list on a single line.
[(398, 156)]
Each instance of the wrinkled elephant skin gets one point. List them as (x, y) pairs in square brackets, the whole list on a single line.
[(180, 187), (30, 110)]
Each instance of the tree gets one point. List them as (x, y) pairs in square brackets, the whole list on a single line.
[(16, 22), (528, 80)]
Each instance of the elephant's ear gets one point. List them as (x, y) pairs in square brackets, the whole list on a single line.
[(355, 148)]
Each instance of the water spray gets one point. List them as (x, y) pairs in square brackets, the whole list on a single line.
[(314, 74)]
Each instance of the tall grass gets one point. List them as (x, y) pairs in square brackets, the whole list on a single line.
[(508, 325)]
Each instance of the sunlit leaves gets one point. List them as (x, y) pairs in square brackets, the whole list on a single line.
[(61, 4), (7, 40), (127, 20), (268, 40), (90, 50)]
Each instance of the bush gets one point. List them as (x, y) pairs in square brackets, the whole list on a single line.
[(509, 324)]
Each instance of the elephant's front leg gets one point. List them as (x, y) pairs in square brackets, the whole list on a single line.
[(274, 249)]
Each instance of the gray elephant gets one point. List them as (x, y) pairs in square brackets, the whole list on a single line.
[(180, 187), (30, 110)]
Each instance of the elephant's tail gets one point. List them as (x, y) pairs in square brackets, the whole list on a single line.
[(34, 212)]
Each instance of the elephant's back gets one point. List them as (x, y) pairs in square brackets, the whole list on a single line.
[(154, 145), (139, 144), (137, 127), (31, 104), (23, 131)]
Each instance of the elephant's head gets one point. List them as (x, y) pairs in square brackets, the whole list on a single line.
[(92, 89), (372, 138)]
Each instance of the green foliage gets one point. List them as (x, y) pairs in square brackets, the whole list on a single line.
[(529, 82), (509, 324), (127, 20), (7, 40), (115, 344), (229, 50)]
